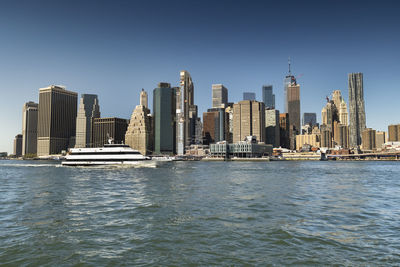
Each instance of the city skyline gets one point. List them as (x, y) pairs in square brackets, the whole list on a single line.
[(117, 73)]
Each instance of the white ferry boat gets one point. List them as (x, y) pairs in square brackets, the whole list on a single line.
[(110, 154)]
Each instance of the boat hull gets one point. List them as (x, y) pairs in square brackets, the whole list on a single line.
[(101, 163)]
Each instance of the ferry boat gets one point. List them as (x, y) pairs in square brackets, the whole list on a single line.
[(109, 154)]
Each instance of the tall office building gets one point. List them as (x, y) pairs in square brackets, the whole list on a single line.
[(368, 139), (186, 113), (341, 106), (292, 100), (394, 133), (356, 108), (310, 119), (105, 128), (249, 96), (248, 120), (326, 138), (56, 120), (144, 99), (29, 128), (219, 96), (342, 139), (268, 97), (272, 128), (88, 110), (284, 130), (18, 145), (139, 133), (215, 125), (164, 111)]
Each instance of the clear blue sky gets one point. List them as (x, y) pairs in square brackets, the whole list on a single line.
[(115, 48)]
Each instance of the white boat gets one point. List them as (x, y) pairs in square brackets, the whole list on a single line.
[(110, 154)]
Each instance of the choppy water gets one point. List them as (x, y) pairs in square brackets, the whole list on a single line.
[(206, 213)]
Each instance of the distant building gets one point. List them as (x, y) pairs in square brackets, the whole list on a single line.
[(144, 99), (310, 119), (215, 125), (89, 109), (219, 96), (29, 128), (242, 149), (18, 145), (284, 130), (368, 139), (326, 138), (139, 133), (248, 120), (307, 139), (56, 120), (341, 106), (292, 101), (380, 139), (186, 113), (356, 108), (272, 128), (394, 133), (164, 127), (105, 128), (268, 97), (342, 139), (249, 96)]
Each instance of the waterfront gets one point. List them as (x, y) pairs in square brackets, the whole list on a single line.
[(206, 213)]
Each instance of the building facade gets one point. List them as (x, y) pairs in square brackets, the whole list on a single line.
[(368, 139), (284, 130), (56, 120), (139, 133), (309, 118), (29, 128), (394, 132), (164, 127), (186, 113), (89, 109), (268, 97), (380, 139), (272, 128), (356, 108), (249, 96), (219, 96), (248, 120), (18, 145), (105, 128)]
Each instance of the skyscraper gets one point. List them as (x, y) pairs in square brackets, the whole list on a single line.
[(29, 128), (186, 113), (292, 100), (144, 99), (268, 97), (215, 127), (164, 111), (139, 133), (356, 108), (341, 106), (310, 119), (249, 96), (88, 110), (219, 95), (248, 120), (272, 128), (18, 145), (56, 120), (105, 128), (284, 130)]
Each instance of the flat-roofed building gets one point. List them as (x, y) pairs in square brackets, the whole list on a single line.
[(307, 139), (29, 128), (18, 145), (394, 133), (368, 139), (56, 120), (248, 120), (219, 96), (105, 128)]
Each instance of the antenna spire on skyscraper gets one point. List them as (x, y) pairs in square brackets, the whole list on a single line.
[(289, 66)]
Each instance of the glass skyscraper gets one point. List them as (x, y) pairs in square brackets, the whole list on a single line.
[(268, 97)]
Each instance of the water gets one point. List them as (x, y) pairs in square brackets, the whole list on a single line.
[(205, 213)]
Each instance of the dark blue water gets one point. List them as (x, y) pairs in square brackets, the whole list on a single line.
[(206, 213)]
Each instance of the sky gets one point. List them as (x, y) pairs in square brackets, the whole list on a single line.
[(116, 48)]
